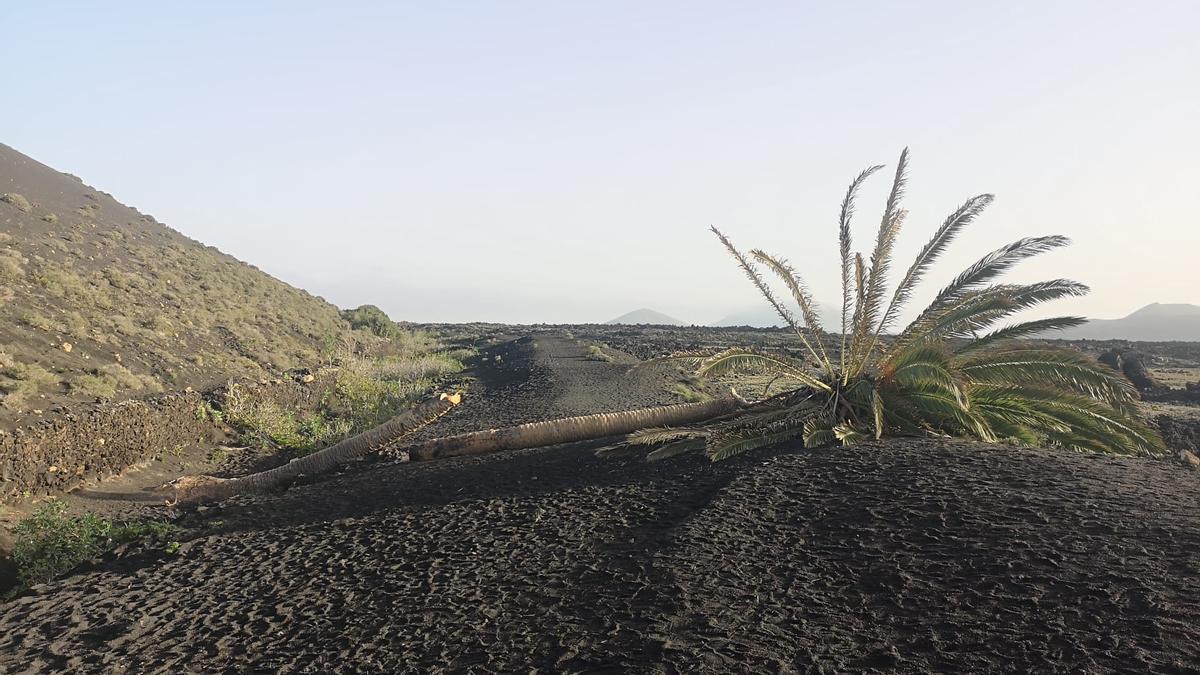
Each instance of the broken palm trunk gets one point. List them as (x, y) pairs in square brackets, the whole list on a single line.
[(205, 488), (572, 429)]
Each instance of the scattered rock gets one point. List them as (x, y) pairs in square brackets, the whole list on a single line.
[(67, 347)]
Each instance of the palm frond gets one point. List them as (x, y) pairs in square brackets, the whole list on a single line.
[(932, 250), (817, 434), (803, 298), (656, 435), (860, 303), (761, 284), (881, 259), (847, 213), (689, 357), (1019, 330), (1084, 416), (847, 434), (725, 445), (737, 358), (925, 365), (978, 310), (1056, 369), (996, 263)]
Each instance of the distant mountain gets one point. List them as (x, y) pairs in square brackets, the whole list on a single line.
[(765, 317), (646, 316), (1156, 322)]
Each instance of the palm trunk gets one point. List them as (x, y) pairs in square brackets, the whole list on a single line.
[(204, 488), (572, 429)]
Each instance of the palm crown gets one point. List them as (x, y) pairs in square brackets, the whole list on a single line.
[(950, 372)]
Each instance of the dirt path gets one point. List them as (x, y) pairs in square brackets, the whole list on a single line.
[(906, 556)]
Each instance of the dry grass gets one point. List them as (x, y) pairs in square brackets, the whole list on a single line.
[(17, 200)]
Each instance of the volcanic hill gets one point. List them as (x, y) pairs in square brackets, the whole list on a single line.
[(99, 302)]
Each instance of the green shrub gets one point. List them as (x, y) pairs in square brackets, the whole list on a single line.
[(95, 385), (265, 424), (19, 381), (17, 200), (371, 318), (596, 353), (37, 321), (11, 265), (50, 543), (689, 395)]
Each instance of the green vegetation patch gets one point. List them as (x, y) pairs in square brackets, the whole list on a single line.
[(371, 318), (367, 391), (19, 381), (597, 353), (50, 543)]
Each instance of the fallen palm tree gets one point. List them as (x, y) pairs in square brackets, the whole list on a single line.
[(205, 488), (572, 429), (954, 371)]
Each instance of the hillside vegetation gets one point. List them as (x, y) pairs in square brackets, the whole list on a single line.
[(100, 302)]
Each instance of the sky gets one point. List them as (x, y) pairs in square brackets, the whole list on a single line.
[(562, 161)]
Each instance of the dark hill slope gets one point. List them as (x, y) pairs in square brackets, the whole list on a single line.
[(101, 302)]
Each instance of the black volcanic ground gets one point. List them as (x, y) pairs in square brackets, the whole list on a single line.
[(912, 556)]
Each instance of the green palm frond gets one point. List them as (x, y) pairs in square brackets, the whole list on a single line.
[(727, 444), (1019, 330), (979, 310), (860, 302), (885, 240), (1082, 415), (1055, 368), (847, 434), (656, 435), (817, 434)]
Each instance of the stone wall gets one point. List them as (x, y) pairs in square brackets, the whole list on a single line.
[(61, 455)]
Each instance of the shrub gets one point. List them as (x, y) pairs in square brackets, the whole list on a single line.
[(37, 321), (688, 394), (11, 265), (596, 353), (50, 543), (17, 200), (371, 318), (95, 385), (19, 381), (265, 424)]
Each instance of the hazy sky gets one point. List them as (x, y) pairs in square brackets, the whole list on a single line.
[(561, 161)]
